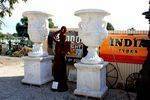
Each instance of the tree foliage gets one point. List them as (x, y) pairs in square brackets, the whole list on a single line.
[(2, 35), (22, 27), (6, 36), (6, 7), (51, 24), (109, 26)]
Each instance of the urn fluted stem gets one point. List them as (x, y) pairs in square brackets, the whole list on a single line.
[(91, 56)]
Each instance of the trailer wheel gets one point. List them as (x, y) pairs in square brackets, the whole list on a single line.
[(111, 75), (130, 84)]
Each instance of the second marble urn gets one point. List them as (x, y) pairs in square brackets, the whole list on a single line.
[(92, 31)]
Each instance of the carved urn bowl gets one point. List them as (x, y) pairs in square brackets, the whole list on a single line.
[(37, 30), (92, 31)]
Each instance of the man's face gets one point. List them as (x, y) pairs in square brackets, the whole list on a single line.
[(63, 29)]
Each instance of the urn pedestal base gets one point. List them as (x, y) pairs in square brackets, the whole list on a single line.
[(37, 70), (91, 79)]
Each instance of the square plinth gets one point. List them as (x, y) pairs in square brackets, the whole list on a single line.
[(91, 79), (37, 70)]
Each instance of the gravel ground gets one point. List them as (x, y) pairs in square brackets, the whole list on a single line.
[(11, 88)]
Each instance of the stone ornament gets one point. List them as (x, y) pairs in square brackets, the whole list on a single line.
[(92, 31), (62, 47), (38, 31), (37, 70)]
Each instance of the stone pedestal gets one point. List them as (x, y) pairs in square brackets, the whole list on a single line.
[(91, 79), (37, 70)]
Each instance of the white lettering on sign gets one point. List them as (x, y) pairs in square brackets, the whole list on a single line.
[(73, 38)]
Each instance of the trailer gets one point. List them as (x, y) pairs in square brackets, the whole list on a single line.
[(124, 51)]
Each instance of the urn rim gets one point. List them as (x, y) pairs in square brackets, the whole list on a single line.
[(26, 13), (84, 11)]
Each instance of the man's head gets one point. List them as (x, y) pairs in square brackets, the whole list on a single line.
[(63, 30)]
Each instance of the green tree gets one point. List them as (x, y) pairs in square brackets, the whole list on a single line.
[(51, 24), (109, 26), (2, 36), (6, 7), (15, 34), (22, 27)]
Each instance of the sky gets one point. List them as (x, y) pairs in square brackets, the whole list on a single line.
[(124, 13)]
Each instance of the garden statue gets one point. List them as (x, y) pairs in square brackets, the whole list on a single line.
[(92, 31), (91, 71), (59, 67), (38, 64), (38, 31)]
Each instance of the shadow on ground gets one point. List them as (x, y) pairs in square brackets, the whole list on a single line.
[(11, 88)]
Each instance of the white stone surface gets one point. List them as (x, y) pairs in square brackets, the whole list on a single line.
[(37, 70), (38, 31), (91, 79), (72, 73), (92, 31)]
